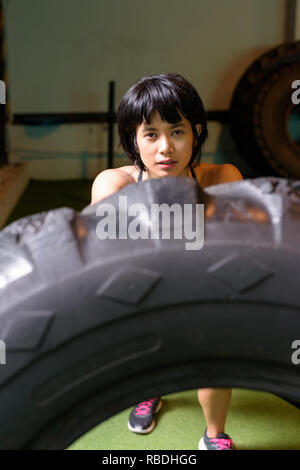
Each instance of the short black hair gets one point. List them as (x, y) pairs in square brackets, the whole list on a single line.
[(168, 94)]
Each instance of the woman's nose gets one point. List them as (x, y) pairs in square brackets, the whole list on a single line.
[(165, 144)]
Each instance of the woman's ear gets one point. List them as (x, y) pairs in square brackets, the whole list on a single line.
[(135, 145), (198, 130)]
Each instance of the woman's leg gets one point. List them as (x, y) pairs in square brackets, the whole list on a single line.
[(215, 404)]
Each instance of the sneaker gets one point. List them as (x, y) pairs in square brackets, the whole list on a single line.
[(221, 442), (141, 419)]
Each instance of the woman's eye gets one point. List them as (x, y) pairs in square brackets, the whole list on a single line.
[(151, 135)]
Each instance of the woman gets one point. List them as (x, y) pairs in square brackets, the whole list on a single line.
[(162, 128)]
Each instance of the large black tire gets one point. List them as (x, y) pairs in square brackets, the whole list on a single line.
[(260, 109), (91, 327)]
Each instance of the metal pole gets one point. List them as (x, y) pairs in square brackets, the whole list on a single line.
[(297, 21), (290, 20), (3, 154), (111, 119)]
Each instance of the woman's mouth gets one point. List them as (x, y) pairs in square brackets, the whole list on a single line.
[(167, 164)]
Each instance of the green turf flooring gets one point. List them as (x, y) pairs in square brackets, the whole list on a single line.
[(256, 420)]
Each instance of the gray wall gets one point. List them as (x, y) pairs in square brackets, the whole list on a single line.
[(61, 54)]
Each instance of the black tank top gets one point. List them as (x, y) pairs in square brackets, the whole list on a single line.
[(140, 176)]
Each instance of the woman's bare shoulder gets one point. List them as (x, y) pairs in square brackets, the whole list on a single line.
[(228, 173), (109, 181), (209, 174), (129, 170), (122, 173)]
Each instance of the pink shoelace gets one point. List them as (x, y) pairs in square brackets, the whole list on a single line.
[(222, 443), (144, 407)]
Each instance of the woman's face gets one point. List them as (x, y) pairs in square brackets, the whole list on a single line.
[(161, 141)]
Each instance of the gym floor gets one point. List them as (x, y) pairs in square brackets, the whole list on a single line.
[(256, 419)]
